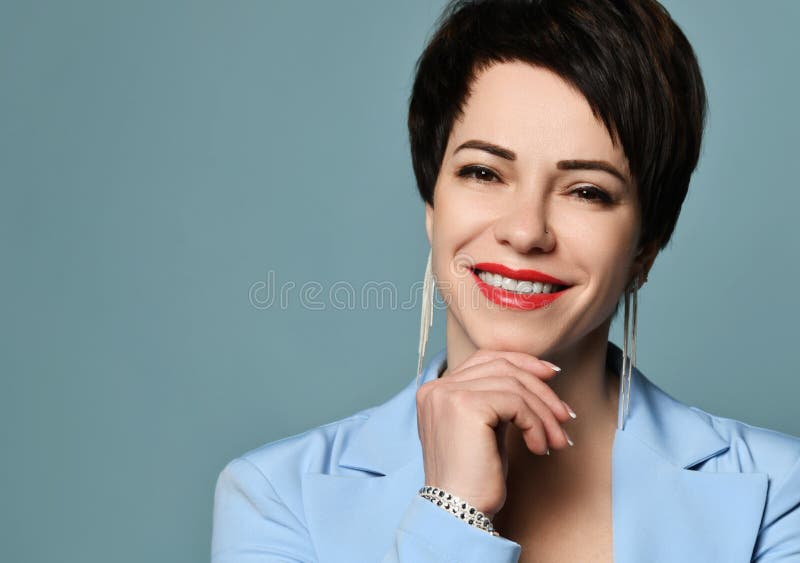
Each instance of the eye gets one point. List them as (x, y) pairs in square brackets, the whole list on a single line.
[(480, 174), (592, 194)]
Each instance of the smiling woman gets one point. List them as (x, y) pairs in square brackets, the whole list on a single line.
[(549, 203), (553, 143)]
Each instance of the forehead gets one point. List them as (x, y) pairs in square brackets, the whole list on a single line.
[(535, 112)]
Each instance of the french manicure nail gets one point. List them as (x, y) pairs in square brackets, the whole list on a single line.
[(552, 365), (570, 442), (569, 410)]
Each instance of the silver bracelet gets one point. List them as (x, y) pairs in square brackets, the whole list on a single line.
[(459, 508)]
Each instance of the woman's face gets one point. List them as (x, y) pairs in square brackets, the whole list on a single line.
[(494, 208)]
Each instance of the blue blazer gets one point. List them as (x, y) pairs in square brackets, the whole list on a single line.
[(687, 486)]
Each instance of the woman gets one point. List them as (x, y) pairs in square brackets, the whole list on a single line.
[(553, 144)]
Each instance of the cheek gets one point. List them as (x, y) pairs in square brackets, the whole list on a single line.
[(455, 227), (603, 244), (456, 221)]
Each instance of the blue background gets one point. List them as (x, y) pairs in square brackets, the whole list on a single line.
[(159, 158)]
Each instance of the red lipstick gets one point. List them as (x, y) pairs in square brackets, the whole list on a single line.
[(513, 300), (524, 275)]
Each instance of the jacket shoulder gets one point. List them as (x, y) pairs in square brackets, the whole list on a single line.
[(314, 450), (279, 465), (753, 448), (756, 449), (776, 454)]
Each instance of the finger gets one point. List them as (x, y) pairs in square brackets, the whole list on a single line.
[(511, 386), (501, 366), (503, 406), (540, 368)]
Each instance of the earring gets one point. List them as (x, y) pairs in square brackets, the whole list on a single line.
[(427, 312), (628, 363)]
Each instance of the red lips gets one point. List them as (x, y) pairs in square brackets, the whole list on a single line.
[(524, 275), (505, 298)]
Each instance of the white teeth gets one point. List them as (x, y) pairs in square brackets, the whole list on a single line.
[(517, 286), (525, 286)]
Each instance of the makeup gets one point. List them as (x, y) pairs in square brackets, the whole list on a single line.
[(512, 299)]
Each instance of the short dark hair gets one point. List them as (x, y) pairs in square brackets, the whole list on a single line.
[(629, 59)]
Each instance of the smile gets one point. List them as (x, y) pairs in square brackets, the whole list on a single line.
[(517, 289)]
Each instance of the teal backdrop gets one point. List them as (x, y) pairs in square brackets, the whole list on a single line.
[(164, 163)]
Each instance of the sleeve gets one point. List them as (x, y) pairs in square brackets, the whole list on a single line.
[(428, 534), (251, 524), (778, 539)]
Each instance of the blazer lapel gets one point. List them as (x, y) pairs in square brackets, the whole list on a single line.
[(663, 509), (353, 514)]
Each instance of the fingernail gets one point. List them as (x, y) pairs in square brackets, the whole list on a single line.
[(569, 410), (552, 365), (547, 452), (567, 437)]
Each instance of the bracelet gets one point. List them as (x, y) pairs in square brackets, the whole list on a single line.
[(458, 507)]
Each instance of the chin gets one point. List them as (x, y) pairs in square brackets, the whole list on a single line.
[(512, 339)]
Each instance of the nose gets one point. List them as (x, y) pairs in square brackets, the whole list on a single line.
[(523, 226)]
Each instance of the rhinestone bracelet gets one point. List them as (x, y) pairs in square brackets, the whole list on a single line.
[(459, 508)]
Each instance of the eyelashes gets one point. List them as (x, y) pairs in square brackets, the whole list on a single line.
[(475, 171), (597, 194), (483, 175)]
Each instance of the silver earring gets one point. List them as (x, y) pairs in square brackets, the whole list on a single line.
[(628, 363), (427, 312)]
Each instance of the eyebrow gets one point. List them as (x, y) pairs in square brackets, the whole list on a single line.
[(573, 164)]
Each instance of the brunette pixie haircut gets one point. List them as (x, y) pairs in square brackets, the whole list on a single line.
[(628, 58)]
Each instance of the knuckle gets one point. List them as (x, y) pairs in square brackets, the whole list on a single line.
[(535, 438), (457, 398), (429, 392), (516, 385), (423, 391), (520, 404), (502, 365)]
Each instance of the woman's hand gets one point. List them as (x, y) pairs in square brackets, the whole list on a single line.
[(462, 421)]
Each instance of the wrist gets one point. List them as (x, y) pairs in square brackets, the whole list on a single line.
[(458, 508)]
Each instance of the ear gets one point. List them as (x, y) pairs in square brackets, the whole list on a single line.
[(644, 261), (429, 222)]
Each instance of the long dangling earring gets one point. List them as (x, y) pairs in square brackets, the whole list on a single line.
[(427, 312), (628, 363)]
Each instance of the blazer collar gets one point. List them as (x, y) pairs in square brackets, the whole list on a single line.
[(662, 509), (389, 439)]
